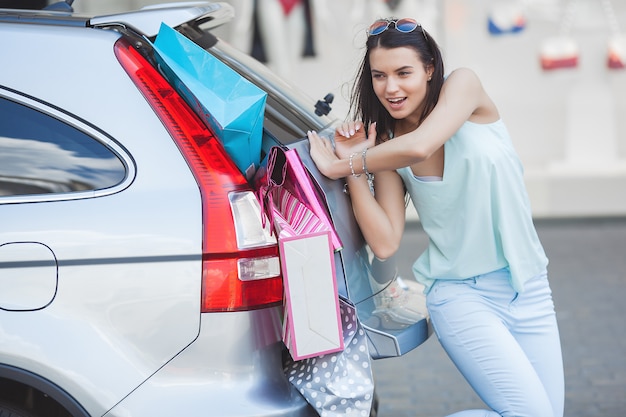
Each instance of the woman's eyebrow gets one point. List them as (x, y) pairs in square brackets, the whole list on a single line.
[(405, 67)]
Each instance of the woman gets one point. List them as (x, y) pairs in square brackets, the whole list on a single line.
[(484, 270)]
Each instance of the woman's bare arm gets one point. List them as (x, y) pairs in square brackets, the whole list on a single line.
[(462, 97), (381, 218)]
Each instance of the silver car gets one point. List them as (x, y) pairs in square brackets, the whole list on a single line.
[(134, 276)]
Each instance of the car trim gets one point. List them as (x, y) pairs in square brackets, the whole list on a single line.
[(103, 261), (86, 128), (42, 17)]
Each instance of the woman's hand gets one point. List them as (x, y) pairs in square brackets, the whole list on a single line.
[(328, 160), (323, 154), (350, 138), (349, 129)]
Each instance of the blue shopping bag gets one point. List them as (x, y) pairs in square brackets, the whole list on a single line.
[(232, 106)]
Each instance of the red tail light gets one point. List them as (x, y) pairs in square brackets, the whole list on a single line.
[(233, 278)]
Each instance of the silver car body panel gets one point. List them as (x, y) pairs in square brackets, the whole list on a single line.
[(253, 383), (128, 275)]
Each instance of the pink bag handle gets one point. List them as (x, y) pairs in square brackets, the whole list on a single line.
[(282, 166)]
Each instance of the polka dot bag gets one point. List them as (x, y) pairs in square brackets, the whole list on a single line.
[(341, 383)]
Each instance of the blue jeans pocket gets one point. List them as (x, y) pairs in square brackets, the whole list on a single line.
[(444, 291)]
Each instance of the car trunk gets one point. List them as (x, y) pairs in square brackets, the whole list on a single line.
[(288, 116), (356, 269)]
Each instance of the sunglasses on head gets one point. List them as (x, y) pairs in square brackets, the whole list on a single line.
[(405, 25)]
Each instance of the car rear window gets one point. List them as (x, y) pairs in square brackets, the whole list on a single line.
[(40, 154)]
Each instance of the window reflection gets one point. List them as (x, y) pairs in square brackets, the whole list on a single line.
[(40, 154)]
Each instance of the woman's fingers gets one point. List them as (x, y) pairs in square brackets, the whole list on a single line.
[(371, 135), (316, 141), (349, 129), (322, 153), (320, 145)]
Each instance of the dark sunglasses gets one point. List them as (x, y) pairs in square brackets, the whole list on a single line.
[(405, 25)]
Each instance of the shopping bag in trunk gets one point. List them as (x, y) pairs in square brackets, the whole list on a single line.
[(312, 325), (285, 170), (231, 105), (339, 384)]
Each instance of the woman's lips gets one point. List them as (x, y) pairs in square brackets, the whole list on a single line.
[(396, 103)]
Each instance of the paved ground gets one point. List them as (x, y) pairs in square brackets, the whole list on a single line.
[(588, 279)]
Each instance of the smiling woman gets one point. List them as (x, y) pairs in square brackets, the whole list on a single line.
[(415, 59), (400, 82), (441, 140)]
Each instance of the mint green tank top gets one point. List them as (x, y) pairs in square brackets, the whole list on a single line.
[(478, 217)]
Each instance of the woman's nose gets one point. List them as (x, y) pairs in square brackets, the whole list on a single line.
[(392, 85)]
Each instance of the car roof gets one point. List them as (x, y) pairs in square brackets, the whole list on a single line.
[(146, 21)]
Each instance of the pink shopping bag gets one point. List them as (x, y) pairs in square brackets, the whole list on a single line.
[(285, 170), (312, 324)]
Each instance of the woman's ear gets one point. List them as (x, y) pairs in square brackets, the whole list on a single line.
[(430, 70)]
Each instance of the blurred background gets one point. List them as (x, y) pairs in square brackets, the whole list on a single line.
[(555, 68)]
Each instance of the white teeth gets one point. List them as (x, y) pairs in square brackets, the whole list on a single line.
[(395, 100)]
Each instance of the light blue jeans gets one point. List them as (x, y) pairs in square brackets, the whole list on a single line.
[(506, 344)]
